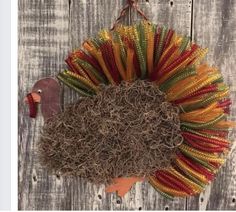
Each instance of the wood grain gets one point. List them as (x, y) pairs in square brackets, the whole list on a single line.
[(43, 45), (48, 30), (176, 15), (214, 27)]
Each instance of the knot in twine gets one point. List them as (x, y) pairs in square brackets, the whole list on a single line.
[(130, 4)]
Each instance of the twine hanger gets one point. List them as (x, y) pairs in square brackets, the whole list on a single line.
[(130, 4)]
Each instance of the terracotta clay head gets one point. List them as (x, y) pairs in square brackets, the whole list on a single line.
[(46, 92)]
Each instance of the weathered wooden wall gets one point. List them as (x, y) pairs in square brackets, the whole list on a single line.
[(48, 30)]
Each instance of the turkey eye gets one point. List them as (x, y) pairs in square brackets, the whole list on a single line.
[(39, 91)]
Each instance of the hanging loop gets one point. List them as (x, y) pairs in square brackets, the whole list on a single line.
[(130, 4)]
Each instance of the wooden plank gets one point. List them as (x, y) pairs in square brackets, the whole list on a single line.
[(87, 18), (214, 27), (47, 31), (177, 15), (43, 44)]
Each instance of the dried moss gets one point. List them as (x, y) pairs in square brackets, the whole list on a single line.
[(125, 130)]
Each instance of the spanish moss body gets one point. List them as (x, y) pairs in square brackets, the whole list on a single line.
[(125, 130)]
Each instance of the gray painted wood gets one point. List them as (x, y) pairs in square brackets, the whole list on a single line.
[(214, 27), (176, 15), (43, 45), (48, 30)]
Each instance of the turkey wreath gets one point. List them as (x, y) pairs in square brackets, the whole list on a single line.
[(150, 110)]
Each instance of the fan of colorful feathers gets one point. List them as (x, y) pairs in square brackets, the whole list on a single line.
[(173, 63)]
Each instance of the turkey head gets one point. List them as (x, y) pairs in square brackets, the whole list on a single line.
[(45, 92)]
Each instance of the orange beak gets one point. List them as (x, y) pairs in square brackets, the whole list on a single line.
[(32, 99), (36, 97)]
